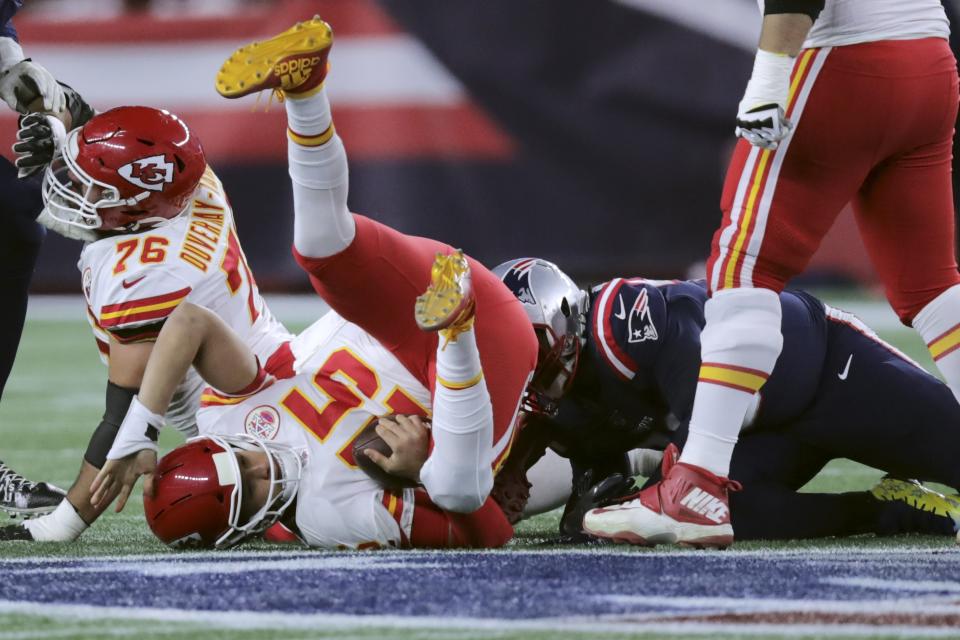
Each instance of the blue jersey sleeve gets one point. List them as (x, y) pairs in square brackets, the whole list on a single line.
[(648, 333), (626, 325), (7, 9)]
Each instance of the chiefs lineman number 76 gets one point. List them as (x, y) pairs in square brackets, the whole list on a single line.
[(134, 183)]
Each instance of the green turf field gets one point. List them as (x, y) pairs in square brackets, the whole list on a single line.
[(54, 400)]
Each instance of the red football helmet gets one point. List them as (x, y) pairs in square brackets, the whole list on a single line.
[(199, 492), (127, 169)]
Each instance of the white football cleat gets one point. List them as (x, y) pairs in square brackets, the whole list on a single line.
[(690, 507)]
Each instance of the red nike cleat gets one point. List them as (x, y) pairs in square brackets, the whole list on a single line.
[(690, 507)]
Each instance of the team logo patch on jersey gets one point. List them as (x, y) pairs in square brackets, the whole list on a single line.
[(640, 325), (87, 283), (517, 279), (262, 422), (152, 173)]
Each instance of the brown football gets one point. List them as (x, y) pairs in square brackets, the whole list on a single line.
[(368, 439)]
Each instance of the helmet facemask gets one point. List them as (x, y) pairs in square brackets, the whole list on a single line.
[(557, 309), (75, 198), (557, 360), (285, 472)]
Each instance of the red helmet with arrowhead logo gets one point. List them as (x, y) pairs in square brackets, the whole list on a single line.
[(198, 492), (127, 169)]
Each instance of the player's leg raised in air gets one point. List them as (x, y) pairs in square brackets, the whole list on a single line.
[(373, 276)]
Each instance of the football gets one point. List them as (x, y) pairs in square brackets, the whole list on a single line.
[(368, 439)]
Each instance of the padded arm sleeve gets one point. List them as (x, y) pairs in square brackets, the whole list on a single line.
[(117, 402), (810, 7)]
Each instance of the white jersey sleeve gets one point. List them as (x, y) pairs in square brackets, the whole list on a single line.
[(133, 282), (846, 22)]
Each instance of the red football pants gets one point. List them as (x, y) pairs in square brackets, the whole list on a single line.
[(376, 280), (873, 126)]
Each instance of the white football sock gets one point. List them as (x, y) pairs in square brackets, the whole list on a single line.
[(322, 226), (739, 347), (63, 525), (458, 475), (938, 324)]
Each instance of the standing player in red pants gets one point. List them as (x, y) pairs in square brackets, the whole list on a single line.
[(859, 108)]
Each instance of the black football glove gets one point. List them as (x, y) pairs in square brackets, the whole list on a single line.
[(607, 491), (37, 142), (39, 137)]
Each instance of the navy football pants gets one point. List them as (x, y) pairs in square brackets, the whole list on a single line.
[(20, 204), (886, 413)]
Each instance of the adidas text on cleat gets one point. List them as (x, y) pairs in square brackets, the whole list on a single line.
[(690, 507), (293, 63), (21, 497), (447, 305)]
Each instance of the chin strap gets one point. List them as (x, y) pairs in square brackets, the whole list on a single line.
[(66, 230)]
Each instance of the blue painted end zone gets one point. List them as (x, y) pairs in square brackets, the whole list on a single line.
[(887, 591)]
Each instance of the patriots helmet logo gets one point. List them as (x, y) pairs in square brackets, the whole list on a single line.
[(517, 279), (152, 173), (640, 327)]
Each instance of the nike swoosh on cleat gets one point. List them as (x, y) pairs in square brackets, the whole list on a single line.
[(129, 283), (846, 370), (622, 314)]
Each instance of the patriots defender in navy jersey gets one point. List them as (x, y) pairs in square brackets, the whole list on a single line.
[(23, 83), (618, 371)]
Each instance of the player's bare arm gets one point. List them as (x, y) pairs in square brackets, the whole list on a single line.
[(191, 336)]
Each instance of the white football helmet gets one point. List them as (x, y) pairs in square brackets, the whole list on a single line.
[(557, 308)]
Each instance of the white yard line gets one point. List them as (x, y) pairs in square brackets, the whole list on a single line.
[(292, 621), (409, 557)]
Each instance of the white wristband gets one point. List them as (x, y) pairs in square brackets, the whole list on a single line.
[(132, 436), (769, 82), (10, 53)]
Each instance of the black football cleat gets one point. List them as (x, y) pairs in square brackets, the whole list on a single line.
[(21, 497), (15, 532)]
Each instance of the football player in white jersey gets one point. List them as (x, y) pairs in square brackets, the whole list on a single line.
[(291, 442), (423, 350), (133, 182)]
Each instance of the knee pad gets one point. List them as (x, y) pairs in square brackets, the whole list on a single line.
[(743, 327)]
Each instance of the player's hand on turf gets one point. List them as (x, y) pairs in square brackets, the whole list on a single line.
[(764, 126), (121, 476), (38, 139), (25, 83), (409, 438)]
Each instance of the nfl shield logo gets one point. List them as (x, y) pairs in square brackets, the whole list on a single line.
[(262, 422)]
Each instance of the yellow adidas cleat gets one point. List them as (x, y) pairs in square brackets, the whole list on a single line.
[(293, 62), (447, 305), (917, 496)]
